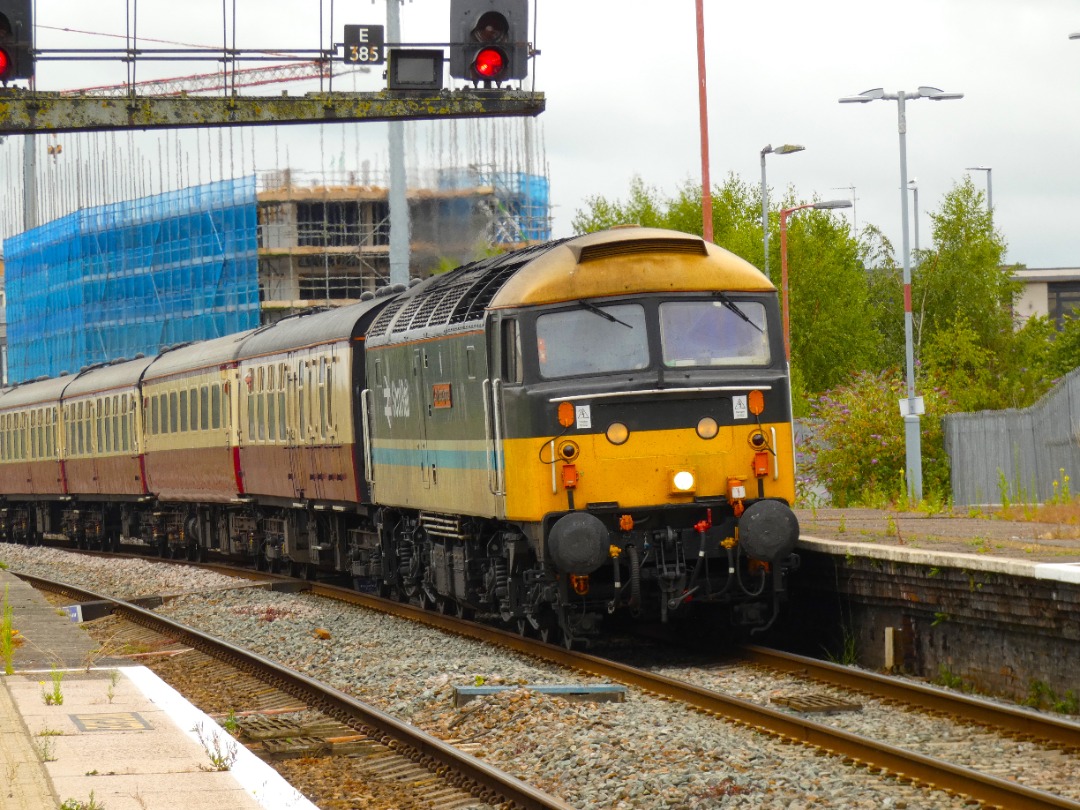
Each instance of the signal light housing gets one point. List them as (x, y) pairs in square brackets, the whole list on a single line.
[(16, 40), (489, 40)]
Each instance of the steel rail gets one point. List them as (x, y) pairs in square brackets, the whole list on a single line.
[(491, 785), (904, 764), (1018, 721)]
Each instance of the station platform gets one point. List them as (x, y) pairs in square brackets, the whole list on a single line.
[(1014, 548), (95, 732)]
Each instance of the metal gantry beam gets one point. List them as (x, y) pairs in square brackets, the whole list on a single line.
[(23, 111)]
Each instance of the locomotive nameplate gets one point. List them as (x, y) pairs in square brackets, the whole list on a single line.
[(440, 396)]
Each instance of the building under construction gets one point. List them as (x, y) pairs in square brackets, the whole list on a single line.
[(112, 281)]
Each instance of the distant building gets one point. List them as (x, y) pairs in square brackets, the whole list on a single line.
[(1051, 292), (109, 282)]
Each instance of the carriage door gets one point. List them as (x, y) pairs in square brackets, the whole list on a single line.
[(317, 461), (420, 397), (296, 435)]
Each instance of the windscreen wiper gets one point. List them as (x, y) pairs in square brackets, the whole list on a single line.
[(727, 302), (605, 314)]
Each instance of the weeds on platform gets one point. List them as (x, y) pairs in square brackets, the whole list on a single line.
[(43, 744), (114, 678), (78, 804), (222, 758), (7, 634), (54, 696)]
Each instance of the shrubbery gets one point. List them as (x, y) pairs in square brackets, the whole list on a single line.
[(856, 445)]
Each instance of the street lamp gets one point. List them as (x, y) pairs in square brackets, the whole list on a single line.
[(912, 407), (784, 149), (784, 214), (914, 186), (989, 187)]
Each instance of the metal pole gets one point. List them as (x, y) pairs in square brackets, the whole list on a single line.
[(783, 282), (30, 185), (989, 194), (399, 203), (703, 113), (915, 193), (765, 212), (912, 435)]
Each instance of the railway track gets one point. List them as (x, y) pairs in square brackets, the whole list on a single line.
[(275, 695), (874, 755)]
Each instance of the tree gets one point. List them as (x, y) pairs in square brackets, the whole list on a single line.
[(963, 274)]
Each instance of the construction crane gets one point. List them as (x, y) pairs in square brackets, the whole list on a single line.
[(211, 82)]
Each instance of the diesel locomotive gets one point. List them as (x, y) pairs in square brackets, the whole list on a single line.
[(597, 425)]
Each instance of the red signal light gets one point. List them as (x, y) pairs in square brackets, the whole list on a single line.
[(489, 63), (5, 63)]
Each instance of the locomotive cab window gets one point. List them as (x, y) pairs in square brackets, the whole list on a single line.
[(712, 333), (511, 352), (592, 340)]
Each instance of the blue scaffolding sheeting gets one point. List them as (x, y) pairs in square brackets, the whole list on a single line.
[(521, 197), (117, 280)]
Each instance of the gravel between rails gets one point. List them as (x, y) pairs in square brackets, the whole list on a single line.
[(644, 754)]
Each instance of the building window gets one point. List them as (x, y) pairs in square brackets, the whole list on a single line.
[(1063, 297)]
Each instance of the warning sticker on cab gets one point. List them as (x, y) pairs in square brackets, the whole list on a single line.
[(583, 417), (738, 406)]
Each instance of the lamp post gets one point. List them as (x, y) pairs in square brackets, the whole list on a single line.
[(914, 186), (989, 188), (784, 214), (912, 407), (784, 149)]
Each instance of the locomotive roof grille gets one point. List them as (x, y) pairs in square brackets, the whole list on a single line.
[(385, 317), (459, 296), (591, 253)]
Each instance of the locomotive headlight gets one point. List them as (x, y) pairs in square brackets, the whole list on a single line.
[(707, 428), (617, 433), (683, 481)]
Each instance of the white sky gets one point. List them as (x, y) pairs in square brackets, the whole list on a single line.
[(620, 78)]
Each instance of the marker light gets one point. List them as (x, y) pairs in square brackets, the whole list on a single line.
[(617, 433), (489, 63), (566, 414), (682, 481), (5, 62), (756, 402), (707, 428)]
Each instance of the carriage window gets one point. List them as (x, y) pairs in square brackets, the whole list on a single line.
[(154, 415), (215, 407), (569, 343), (300, 398), (127, 424), (174, 412), (183, 411), (204, 408), (108, 425), (330, 394), (710, 333), (322, 397), (271, 416)]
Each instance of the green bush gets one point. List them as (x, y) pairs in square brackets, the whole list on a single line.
[(856, 446)]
